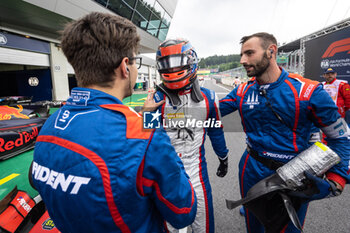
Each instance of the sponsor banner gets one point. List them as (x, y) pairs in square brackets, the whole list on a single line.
[(281, 59), (10, 40), (17, 136), (328, 51), (203, 72)]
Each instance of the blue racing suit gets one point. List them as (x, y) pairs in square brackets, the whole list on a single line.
[(299, 102), (97, 170)]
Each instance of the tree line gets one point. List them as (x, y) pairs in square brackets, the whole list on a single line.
[(223, 62)]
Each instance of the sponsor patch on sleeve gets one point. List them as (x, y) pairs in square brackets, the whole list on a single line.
[(337, 130)]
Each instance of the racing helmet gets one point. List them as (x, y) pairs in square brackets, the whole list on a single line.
[(177, 63)]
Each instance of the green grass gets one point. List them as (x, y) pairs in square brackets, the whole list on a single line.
[(17, 165), (135, 100)]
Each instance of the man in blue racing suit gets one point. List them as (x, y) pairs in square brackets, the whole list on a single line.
[(277, 110), (95, 167)]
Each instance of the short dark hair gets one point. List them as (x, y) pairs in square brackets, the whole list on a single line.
[(96, 44), (266, 39)]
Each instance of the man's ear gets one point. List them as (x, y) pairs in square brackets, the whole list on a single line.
[(123, 67), (273, 50)]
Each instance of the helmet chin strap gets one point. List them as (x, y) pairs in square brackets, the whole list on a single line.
[(196, 94), (171, 94)]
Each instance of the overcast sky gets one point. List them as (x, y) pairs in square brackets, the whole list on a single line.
[(216, 26)]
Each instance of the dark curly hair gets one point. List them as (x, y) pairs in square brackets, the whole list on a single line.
[(265, 38), (96, 44)]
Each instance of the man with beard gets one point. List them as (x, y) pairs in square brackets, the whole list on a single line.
[(277, 110), (339, 90)]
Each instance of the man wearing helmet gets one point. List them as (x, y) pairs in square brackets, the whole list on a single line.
[(189, 112)]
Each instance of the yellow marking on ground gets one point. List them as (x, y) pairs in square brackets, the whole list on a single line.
[(133, 105), (8, 178)]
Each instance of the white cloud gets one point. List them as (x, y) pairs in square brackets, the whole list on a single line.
[(215, 27)]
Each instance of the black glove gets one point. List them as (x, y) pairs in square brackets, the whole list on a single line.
[(317, 188), (222, 169)]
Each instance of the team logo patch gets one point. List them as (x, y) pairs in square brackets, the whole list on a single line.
[(252, 100), (341, 131), (48, 224), (151, 120)]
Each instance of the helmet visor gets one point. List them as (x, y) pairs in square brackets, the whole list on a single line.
[(174, 63)]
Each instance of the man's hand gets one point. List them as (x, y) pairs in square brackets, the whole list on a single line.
[(150, 105), (317, 188), (222, 169)]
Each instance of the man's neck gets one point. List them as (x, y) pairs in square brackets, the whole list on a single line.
[(118, 90), (271, 75), (330, 82)]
